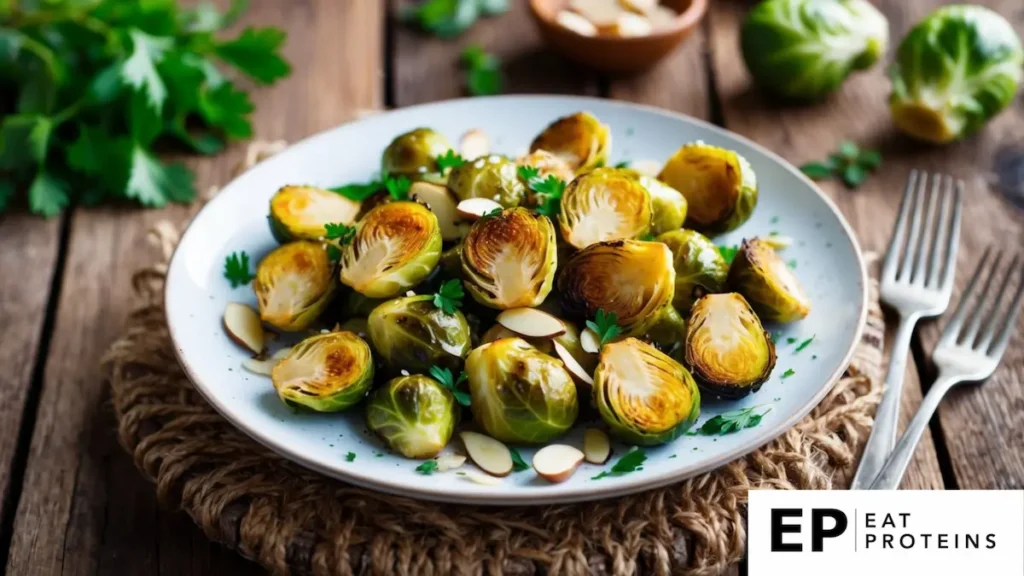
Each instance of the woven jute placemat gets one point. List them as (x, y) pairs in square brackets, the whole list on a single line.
[(295, 521)]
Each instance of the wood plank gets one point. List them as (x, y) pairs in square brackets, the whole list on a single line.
[(84, 509), (808, 132)]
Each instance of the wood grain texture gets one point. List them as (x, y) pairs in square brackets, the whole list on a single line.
[(804, 132), (84, 508)]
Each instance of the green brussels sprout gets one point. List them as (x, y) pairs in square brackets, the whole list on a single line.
[(719, 186), (580, 140), (451, 261), (493, 177), (604, 204), (396, 246), (954, 71), (412, 334), (326, 372), (300, 212), (761, 276), (358, 306), (357, 326), (414, 415), (630, 278), (700, 268), (294, 284), (644, 396), (547, 164), (726, 348), (805, 49), (518, 393), (414, 154), (508, 260), (668, 205), (570, 339)]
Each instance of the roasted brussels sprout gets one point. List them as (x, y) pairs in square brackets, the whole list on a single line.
[(570, 339), (700, 268), (519, 394), (630, 278), (396, 246), (580, 140), (300, 212), (508, 260), (414, 415), (326, 372), (643, 395), (805, 49), (719, 186), (668, 205), (358, 306), (547, 164), (414, 154), (412, 334), (954, 71), (726, 348), (493, 177), (760, 275), (604, 204), (294, 284)]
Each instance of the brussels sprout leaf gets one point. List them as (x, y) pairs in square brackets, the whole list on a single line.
[(444, 376), (449, 296), (448, 160), (849, 163), (483, 71), (605, 325), (236, 269), (398, 187), (732, 421), (631, 462), (518, 464), (427, 468), (340, 232)]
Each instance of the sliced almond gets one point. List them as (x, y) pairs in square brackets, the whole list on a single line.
[(639, 6), (489, 454), (476, 208), (557, 462), (261, 367), (474, 144), (531, 322), (597, 447), (450, 461), (243, 326), (603, 14), (661, 17), (574, 368), (484, 479), (442, 204), (575, 23), (631, 25), (646, 167), (589, 341)]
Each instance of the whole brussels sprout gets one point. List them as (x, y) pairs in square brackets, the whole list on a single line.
[(508, 260), (644, 396), (805, 49), (395, 247), (326, 372), (412, 334), (547, 164), (300, 212), (570, 339), (493, 177), (414, 154), (580, 140), (719, 186), (414, 415), (954, 71), (726, 348), (700, 268), (760, 275), (519, 394), (668, 205), (358, 306), (294, 284), (604, 204)]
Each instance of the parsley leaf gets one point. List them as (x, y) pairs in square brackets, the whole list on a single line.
[(333, 253), (153, 183), (732, 421), (631, 462), (789, 372), (48, 195), (350, 457), (605, 325), (448, 297), (483, 71), (340, 232), (549, 190), (398, 187), (359, 192), (728, 253), (255, 54), (849, 163), (444, 376), (449, 18), (624, 164), (449, 160), (427, 468), (236, 269), (492, 213), (518, 464), (804, 344)]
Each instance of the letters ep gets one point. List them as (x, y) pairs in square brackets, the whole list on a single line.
[(782, 524)]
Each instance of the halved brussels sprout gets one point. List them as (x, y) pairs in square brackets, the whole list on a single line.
[(806, 48), (326, 372), (509, 260), (493, 177), (414, 154), (547, 164), (955, 70), (761, 276), (570, 339), (396, 246), (414, 415), (519, 394), (668, 205), (604, 204), (440, 201), (412, 334), (294, 284), (644, 396), (700, 268), (300, 212), (630, 278), (580, 140), (719, 186), (726, 348)]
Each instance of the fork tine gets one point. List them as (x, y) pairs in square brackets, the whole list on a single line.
[(928, 246), (971, 333), (953, 245), (992, 321), (941, 232), (892, 255), (915, 230), (952, 330), (999, 346)]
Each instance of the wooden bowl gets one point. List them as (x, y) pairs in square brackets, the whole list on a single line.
[(614, 54)]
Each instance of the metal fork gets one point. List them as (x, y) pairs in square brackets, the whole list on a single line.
[(917, 281), (962, 355)]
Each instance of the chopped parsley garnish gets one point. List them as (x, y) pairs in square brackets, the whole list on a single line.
[(792, 264), (518, 464), (732, 421), (492, 213), (789, 372), (236, 269), (790, 340), (448, 297), (445, 377), (605, 325), (728, 253), (359, 192), (549, 190), (340, 232), (804, 344), (333, 252), (427, 468), (849, 163), (631, 462), (398, 187), (624, 164), (449, 160), (350, 457), (483, 71)]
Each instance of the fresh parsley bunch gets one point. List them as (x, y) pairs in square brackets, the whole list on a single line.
[(89, 88)]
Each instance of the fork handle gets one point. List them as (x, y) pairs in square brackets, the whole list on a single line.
[(892, 473), (887, 417)]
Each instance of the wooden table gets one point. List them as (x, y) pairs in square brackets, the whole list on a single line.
[(72, 502)]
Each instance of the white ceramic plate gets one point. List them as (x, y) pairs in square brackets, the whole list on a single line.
[(824, 252)]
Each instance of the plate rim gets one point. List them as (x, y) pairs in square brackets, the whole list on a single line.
[(631, 486)]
